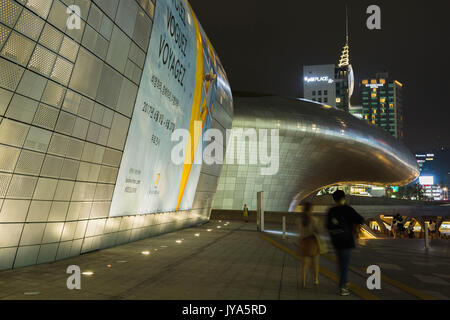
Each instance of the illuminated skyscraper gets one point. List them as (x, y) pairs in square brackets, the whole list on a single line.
[(345, 80), (331, 84), (319, 84), (382, 103)]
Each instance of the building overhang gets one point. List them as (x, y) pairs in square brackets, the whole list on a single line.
[(319, 146)]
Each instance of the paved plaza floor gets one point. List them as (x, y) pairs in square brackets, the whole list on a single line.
[(206, 262), (230, 260), (426, 270), (408, 269)]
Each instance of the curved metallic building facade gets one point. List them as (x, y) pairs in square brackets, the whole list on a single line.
[(90, 92), (318, 146)]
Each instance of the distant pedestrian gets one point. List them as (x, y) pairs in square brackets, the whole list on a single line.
[(432, 229), (400, 225), (411, 229), (245, 212), (341, 220), (310, 243), (397, 226), (394, 226)]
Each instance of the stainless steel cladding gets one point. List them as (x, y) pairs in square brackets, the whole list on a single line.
[(318, 146)]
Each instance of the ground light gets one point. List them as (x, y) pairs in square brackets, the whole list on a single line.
[(209, 230), (145, 253), (197, 234), (291, 234), (178, 241), (87, 273)]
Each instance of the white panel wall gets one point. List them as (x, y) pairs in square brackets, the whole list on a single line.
[(66, 98)]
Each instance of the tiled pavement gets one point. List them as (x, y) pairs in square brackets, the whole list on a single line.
[(425, 271), (230, 262), (407, 260)]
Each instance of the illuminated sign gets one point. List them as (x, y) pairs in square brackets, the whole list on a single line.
[(426, 180), (374, 86), (319, 79), (174, 94)]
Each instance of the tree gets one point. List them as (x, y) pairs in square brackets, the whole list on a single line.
[(409, 192), (401, 194), (418, 192)]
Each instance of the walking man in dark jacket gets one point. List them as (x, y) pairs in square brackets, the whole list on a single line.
[(341, 220)]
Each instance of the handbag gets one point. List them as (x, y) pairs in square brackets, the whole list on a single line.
[(323, 248)]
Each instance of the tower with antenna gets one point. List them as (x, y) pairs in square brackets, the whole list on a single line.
[(345, 81), (345, 56), (331, 84)]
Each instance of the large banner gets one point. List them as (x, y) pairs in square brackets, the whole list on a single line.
[(176, 92)]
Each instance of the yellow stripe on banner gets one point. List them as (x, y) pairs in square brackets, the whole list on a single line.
[(361, 292), (190, 150)]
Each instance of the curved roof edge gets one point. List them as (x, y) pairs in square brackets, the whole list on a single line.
[(318, 146)]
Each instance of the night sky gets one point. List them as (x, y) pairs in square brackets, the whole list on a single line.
[(264, 45)]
